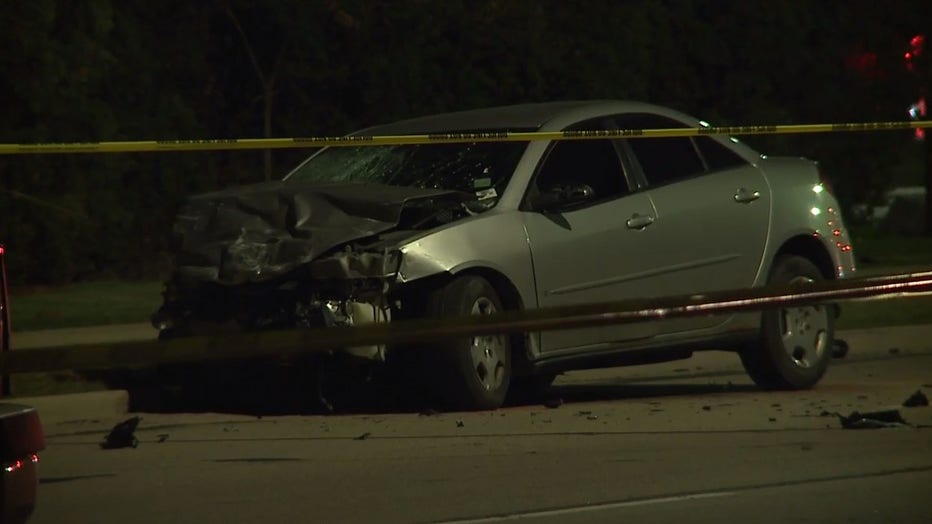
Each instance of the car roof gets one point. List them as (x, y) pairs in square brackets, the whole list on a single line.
[(522, 117)]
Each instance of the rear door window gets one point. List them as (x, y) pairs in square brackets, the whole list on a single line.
[(670, 159), (717, 157)]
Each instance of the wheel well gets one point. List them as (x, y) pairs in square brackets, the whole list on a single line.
[(507, 292), (812, 249), (413, 292), (511, 301)]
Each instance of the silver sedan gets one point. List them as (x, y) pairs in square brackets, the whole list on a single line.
[(358, 235)]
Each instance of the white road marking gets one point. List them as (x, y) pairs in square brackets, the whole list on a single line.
[(590, 507)]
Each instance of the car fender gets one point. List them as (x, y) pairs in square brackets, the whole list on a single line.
[(804, 208), (493, 240)]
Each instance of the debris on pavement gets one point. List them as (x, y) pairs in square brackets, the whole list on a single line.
[(581, 413), (893, 351), (554, 403), (916, 399), (364, 436), (162, 437), (592, 417), (460, 423), (122, 435), (839, 349), (874, 420), (706, 408), (428, 413)]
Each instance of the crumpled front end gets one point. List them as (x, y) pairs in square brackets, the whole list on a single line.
[(281, 256)]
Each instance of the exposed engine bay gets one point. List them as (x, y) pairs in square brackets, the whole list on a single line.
[(289, 255)]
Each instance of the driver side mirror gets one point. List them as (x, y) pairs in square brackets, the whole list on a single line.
[(562, 196)]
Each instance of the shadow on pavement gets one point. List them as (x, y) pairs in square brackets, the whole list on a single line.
[(265, 389), (630, 391)]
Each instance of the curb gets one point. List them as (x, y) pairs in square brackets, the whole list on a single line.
[(106, 334), (56, 409)]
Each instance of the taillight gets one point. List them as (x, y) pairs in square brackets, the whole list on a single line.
[(14, 466)]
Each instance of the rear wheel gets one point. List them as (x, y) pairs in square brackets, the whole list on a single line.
[(471, 373), (795, 344)]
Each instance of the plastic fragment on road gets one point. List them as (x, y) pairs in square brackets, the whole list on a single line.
[(916, 399), (873, 420), (839, 349), (122, 435)]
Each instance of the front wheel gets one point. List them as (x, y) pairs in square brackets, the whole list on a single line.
[(471, 373), (795, 344)]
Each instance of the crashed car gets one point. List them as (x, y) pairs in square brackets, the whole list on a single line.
[(371, 234)]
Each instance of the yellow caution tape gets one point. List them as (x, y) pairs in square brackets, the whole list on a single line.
[(442, 138)]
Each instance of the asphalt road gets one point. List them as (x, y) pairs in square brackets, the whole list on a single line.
[(688, 441)]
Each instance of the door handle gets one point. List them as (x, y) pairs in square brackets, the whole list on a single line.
[(743, 196), (639, 221)]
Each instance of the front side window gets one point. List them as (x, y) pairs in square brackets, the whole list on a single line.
[(592, 163), (662, 160)]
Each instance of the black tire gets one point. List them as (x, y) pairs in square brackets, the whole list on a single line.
[(463, 379), (795, 345)]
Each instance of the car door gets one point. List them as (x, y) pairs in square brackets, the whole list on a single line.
[(713, 213), (586, 251)]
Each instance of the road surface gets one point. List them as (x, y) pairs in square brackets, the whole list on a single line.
[(688, 441)]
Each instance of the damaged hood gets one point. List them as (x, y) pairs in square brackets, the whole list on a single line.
[(258, 232)]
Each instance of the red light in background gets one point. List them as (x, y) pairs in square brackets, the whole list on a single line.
[(864, 63), (836, 232), (916, 45)]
